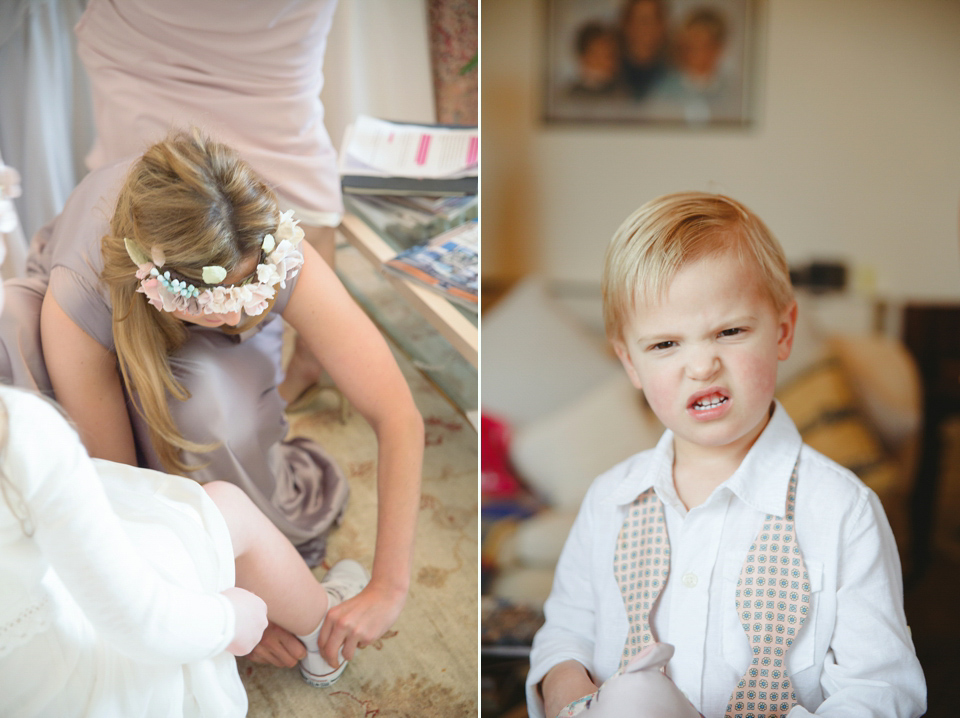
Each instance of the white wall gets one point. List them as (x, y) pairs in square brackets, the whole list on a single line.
[(377, 63), (855, 153)]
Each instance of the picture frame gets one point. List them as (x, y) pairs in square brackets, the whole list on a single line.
[(686, 63)]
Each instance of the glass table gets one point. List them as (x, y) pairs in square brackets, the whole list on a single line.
[(440, 337)]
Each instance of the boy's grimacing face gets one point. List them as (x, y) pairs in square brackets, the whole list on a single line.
[(706, 354)]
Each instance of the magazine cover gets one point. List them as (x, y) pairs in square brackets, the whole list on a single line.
[(380, 157), (447, 264)]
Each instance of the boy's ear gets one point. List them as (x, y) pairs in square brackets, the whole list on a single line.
[(623, 354), (786, 331)]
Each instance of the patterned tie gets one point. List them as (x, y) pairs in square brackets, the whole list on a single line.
[(641, 563), (773, 597)]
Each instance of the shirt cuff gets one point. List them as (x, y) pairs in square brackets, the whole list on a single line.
[(540, 669), (229, 626)]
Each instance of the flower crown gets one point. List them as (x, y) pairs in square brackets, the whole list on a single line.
[(280, 260)]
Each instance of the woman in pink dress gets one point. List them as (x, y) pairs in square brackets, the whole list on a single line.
[(249, 74)]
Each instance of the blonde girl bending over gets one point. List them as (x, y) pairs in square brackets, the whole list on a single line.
[(150, 313)]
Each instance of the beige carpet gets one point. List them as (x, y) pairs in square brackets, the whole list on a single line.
[(426, 665)]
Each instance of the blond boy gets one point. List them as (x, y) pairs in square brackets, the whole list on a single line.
[(770, 569)]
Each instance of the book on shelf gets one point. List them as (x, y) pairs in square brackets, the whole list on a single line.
[(381, 157), (409, 220), (447, 264)]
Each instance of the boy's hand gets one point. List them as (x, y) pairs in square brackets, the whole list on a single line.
[(251, 619), (642, 690), (563, 684)]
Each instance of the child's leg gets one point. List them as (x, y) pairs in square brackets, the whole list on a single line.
[(268, 564), (303, 371)]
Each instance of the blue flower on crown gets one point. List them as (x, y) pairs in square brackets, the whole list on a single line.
[(175, 286)]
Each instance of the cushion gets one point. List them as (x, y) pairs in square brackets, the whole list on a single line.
[(535, 542), (535, 358), (886, 382), (560, 454), (523, 586), (821, 403)]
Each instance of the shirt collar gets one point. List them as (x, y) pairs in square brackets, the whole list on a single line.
[(763, 477), (657, 472), (761, 480)]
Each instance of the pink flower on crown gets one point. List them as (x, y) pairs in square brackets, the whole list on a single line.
[(213, 301), (171, 301), (287, 229), (288, 259), (241, 295), (267, 274), (260, 296), (151, 289), (143, 271)]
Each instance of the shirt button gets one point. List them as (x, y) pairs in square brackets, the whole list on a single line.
[(689, 580)]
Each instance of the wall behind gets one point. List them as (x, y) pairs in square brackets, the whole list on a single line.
[(377, 63), (855, 153)]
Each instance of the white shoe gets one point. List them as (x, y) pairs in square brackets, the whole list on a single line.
[(345, 580)]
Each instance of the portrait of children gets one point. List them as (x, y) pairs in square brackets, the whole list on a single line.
[(663, 61)]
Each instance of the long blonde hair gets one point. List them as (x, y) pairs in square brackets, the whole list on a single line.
[(199, 204)]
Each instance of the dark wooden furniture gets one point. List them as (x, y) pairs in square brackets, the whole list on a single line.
[(932, 334)]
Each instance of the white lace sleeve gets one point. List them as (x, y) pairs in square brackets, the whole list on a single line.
[(33, 619)]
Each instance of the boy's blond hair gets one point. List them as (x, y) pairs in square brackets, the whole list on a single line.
[(669, 232)]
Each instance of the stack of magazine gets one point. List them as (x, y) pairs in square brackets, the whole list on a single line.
[(409, 220), (381, 157), (417, 185), (447, 264)]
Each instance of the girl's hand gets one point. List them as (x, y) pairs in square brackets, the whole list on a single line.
[(279, 648), (359, 621), (251, 613)]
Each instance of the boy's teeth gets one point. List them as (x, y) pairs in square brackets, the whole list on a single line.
[(709, 402)]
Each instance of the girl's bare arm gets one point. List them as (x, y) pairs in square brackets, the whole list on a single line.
[(358, 359), (87, 384)]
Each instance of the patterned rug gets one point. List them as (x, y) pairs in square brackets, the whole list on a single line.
[(426, 665)]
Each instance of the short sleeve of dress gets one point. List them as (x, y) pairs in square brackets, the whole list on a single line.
[(84, 304), (283, 294)]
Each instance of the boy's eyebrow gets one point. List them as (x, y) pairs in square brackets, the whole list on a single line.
[(656, 338), (737, 321), (726, 323)]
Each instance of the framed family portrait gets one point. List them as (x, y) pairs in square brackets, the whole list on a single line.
[(678, 62)]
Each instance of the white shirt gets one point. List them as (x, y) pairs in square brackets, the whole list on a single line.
[(853, 656)]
